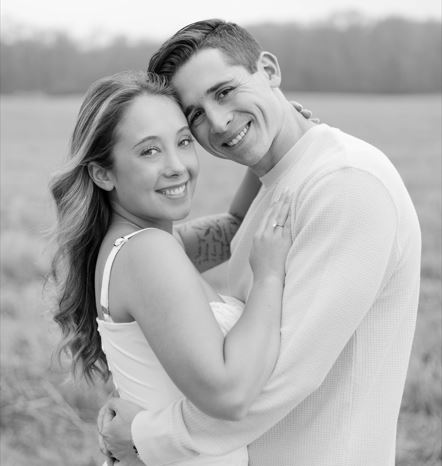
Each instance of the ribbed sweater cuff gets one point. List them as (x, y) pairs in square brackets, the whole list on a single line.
[(161, 437)]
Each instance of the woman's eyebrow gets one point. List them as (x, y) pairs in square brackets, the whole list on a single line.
[(141, 141)]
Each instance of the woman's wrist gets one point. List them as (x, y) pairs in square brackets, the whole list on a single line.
[(269, 278)]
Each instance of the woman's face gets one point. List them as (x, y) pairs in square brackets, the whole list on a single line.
[(154, 163)]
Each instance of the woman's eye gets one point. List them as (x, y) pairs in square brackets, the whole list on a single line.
[(149, 151), (186, 141)]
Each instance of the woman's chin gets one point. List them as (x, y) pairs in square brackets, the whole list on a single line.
[(182, 216)]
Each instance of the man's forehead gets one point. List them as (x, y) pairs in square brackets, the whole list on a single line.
[(203, 73), (202, 58)]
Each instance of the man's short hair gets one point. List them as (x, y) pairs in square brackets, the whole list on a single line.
[(238, 45)]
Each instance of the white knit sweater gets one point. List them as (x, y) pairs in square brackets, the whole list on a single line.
[(349, 311)]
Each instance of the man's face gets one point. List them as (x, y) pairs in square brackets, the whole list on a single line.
[(234, 114)]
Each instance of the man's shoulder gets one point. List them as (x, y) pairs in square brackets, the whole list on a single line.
[(334, 154), (333, 150)]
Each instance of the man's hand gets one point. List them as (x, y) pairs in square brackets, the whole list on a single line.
[(129, 461), (114, 427), (104, 417)]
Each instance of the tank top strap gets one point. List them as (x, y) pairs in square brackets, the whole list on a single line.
[(104, 295)]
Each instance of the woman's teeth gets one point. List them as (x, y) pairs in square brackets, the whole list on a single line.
[(176, 191), (238, 138)]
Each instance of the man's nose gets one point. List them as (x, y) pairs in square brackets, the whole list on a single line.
[(219, 119)]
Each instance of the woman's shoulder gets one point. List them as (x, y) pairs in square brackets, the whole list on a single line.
[(147, 262), (150, 240), (152, 246), (138, 247)]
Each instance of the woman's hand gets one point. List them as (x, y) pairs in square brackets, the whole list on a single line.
[(272, 240), (305, 112)]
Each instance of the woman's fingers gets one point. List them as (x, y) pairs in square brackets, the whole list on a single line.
[(279, 212), (305, 112), (267, 217), (283, 210), (276, 216)]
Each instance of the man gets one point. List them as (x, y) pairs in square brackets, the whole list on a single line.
[(352, 281)]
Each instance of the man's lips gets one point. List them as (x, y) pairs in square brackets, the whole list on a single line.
[(238, 137)]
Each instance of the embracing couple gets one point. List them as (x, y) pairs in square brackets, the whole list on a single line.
[(304, 363)]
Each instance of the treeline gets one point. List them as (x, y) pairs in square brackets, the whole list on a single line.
[(394, 55)]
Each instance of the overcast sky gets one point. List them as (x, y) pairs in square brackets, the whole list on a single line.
[(157, 19)]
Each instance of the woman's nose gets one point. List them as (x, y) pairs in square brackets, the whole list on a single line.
[(174, 166)]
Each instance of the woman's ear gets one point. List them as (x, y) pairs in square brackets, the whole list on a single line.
[(102, 177), (268, 64)]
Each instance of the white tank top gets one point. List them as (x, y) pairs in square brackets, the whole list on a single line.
[(136, 371)]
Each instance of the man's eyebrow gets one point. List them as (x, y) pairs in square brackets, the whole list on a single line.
[(188, 110), (216, 86)]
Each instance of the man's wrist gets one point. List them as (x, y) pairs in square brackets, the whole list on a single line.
[(161, 437), (134, 447)]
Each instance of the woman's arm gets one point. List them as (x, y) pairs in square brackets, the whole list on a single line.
[(245, 194), (206, 240), (221, 376)]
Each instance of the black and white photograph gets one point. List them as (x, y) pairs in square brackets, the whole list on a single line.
[(220, 233)]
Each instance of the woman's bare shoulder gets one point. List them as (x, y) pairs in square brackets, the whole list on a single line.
[(151, 267), (154, 249)]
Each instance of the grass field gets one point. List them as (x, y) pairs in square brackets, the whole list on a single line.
[(46, 418)]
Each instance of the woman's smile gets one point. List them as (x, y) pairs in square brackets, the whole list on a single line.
[(175, 192)]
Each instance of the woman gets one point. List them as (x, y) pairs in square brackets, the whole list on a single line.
[(146, 315)]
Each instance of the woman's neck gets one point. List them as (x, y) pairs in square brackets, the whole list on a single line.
[(139, 224)]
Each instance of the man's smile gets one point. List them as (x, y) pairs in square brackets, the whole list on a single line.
[(236, 139)]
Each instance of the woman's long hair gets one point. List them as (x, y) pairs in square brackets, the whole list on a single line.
[(84, 214)]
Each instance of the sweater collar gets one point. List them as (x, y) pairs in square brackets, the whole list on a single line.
[(292, 156)]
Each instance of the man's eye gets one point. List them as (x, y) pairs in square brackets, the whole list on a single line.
[(195, 117), (224, 93)]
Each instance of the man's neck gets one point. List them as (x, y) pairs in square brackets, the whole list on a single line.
[(293, 127)]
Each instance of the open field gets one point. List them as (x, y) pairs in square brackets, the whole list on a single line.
[(46, 419)]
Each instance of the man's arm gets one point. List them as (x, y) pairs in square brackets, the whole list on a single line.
[(345, 233)]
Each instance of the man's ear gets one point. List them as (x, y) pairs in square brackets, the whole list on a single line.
[(102, 177), (268, 64)]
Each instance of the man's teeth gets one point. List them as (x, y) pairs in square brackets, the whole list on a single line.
[(238, 138), (176, 191)]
